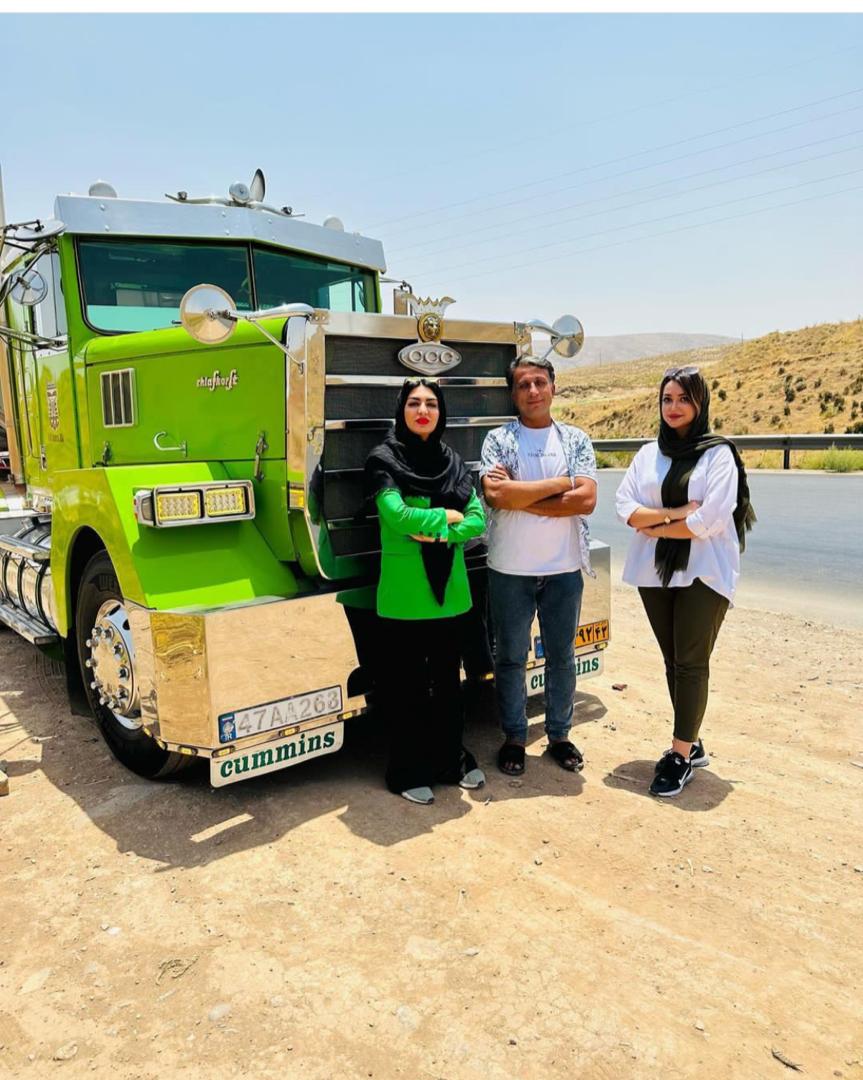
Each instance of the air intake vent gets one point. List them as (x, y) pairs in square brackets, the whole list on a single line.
[(118, 398)]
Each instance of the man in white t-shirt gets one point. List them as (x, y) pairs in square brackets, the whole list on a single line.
[(539, 480)]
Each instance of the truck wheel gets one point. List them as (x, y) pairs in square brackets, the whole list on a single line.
[(106, 654)]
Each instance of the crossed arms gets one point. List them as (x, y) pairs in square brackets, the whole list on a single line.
[(561, 496)]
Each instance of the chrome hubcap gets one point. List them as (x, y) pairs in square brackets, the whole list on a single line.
[(111, 664)]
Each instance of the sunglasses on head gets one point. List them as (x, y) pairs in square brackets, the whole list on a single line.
[(674, 371)]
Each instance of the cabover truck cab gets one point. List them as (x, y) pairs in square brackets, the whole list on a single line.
[(193, 540)]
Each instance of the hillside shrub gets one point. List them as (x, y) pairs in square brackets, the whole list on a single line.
[(756, 416), (787, 410), (828, 429), (717, 424), (714, 384), (817, 383), (738, 384), (722, 395), (774, 420), (855, 429), (790, 395)]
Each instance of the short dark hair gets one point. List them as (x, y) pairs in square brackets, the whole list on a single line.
[(529, 361)]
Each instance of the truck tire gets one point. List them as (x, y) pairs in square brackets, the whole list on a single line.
[(102, 631)]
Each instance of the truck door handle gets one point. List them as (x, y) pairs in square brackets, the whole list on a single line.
[(182, 448)]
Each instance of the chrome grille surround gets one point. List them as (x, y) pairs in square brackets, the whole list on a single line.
[(344, 378)]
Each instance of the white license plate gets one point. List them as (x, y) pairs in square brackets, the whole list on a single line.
[(585, 667), (257, 760), (277, 714)]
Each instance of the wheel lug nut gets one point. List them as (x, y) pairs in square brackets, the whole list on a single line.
[(123, 672), (93, 685), (89, 643)]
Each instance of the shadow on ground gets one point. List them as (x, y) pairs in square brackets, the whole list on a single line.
[(705, 791), (187, 823)]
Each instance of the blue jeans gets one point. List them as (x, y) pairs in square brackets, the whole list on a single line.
[(515, 599)]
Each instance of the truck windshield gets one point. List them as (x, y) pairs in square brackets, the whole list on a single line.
[(285, 278), (139, 286), (136, 285)]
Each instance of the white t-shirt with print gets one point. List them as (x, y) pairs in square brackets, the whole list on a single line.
[(530, 544)]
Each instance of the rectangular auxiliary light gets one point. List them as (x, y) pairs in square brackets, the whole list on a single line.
[(174, 506), (225, 501), (195, 504)]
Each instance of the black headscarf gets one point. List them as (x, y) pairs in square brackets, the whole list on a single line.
[(426, 467), (672, 555)]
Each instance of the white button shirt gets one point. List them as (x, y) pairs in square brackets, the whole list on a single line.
[(714, 555)]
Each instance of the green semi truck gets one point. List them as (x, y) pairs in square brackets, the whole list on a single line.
[(190, 388)]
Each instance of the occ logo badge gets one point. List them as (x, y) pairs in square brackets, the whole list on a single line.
[(429, 356)]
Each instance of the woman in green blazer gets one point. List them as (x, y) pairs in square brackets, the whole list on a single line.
[(427, 508)]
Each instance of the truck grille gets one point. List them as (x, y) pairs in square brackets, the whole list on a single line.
[(363, 378)]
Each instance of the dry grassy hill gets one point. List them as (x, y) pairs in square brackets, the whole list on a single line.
[(802, 381)]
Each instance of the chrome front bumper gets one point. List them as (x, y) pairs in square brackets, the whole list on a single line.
[(195, 666)]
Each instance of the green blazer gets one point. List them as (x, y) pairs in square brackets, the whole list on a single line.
[(404, 591)]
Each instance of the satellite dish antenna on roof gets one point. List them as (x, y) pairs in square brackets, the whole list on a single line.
[(334, 223), (101, 189)]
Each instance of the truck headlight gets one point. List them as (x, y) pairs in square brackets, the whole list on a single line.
[(195, 504)]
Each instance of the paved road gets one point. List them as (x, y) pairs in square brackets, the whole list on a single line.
[(805, 554)]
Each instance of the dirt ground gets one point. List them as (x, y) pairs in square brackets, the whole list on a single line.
[(309, 924)]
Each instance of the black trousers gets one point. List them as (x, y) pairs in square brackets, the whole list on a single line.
[(685, 623), (421, 693)]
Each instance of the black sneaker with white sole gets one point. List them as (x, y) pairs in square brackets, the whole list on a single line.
[(698, 756), (672, 775)]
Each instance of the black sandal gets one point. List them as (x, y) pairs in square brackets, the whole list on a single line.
[(510, 759), (567, 755)]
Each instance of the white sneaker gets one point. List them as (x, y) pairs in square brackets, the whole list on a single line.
[(421, 795), (472, 780)]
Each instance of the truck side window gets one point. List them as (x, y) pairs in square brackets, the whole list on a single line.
[(286, 278), (49, 317), (134, 285)]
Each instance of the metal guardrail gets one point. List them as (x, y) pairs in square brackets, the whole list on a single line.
[(785, 443)]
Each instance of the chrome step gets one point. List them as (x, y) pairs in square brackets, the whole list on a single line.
[(36, 632), (24, 548)]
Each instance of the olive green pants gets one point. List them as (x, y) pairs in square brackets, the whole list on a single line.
[(685, 623)]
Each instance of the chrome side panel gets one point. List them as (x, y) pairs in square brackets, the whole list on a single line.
[(194, 667), (596, 602)]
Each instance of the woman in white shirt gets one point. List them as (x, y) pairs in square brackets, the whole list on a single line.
[(687, 498)]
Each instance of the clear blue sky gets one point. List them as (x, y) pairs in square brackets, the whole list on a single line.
[(526, 165)]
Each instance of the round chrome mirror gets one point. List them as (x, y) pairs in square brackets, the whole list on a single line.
[(203, 313), (28, 288), (42, 230), (568, 336)]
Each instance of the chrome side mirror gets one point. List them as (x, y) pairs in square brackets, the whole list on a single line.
[(207, 314), (566, 333), (28, 287)]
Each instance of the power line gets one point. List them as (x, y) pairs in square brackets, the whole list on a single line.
[(667, 195), (624, 157), (664, 232), (650, 221), (683, 95), (646, 187)]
